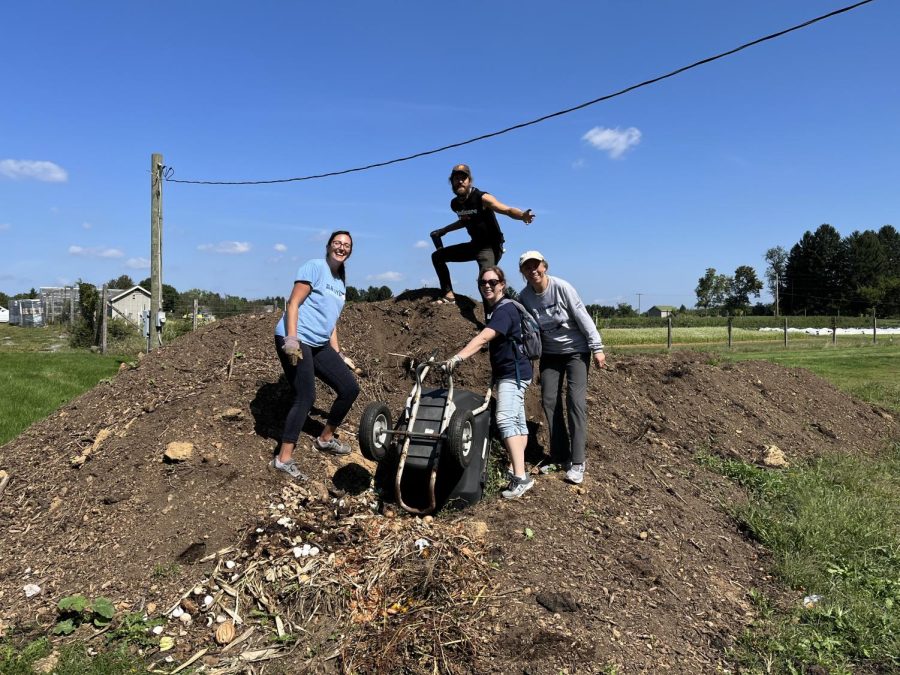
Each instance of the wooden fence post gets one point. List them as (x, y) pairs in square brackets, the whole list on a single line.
[(730, 319), (874, 328), (194, 322), (785, 331), (669, 333)]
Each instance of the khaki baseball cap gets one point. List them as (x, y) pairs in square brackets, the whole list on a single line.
[(531, 255)]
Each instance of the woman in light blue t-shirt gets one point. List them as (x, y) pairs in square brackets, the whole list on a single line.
[(307, 345)]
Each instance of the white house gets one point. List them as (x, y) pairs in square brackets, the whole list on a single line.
[(4, 315), (130, 304)]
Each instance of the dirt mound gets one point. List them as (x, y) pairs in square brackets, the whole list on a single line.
[(639, 566)]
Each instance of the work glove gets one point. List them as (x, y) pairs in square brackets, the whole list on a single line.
[(450, 364), (291, 349), (347, 360)]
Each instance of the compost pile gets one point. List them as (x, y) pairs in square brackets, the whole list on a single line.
[(243, 571)]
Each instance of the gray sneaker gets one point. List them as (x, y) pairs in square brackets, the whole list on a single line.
[(518, 487), (289, 467), (333, 446), (575, 474)]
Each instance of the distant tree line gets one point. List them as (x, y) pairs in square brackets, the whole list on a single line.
[(371, 294), (822, 274), (827, 274)]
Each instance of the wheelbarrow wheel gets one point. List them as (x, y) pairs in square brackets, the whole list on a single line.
[(460, 435), (373, 439)]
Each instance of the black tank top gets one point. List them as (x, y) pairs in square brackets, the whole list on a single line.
[(480, 221)]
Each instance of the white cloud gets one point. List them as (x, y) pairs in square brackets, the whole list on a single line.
[(5, 226), (48, 172), (95, 252), (228, 247), (281, 248), (614, 141), (86, 226), (421, 244), (137, 263), (385, 276)]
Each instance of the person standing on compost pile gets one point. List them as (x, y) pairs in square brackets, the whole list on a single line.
[(569, 340), (476, 212), (306, 342), (510, 370)]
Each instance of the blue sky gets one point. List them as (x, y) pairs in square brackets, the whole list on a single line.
[(639, 194)]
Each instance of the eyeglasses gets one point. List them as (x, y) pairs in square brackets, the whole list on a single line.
[(340, 244), (493, 283), (459, 176)]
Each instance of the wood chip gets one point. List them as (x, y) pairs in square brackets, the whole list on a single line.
[(190, 661)]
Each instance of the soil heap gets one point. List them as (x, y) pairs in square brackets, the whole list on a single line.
[(640, 566)]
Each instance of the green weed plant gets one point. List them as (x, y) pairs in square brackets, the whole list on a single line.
[(75, 610)]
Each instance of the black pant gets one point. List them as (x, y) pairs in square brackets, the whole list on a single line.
[(487, 255), (322, 362), (565, 374)]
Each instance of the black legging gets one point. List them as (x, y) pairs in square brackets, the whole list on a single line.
[(486, 255), (322, 362)]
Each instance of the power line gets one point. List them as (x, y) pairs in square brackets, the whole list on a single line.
[(522, 125)]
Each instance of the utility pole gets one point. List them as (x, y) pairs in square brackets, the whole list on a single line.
[(639, 302), (103, 327), (156, 169)]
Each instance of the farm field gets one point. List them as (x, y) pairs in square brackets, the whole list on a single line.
[(692, 337)]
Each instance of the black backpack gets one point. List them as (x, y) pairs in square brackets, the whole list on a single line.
[(530, 342)]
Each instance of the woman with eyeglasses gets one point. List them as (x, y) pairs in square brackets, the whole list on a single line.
[(570, 341), (510, 370), (306, 341)]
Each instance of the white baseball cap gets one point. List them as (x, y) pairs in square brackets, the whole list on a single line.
[(531, 255)]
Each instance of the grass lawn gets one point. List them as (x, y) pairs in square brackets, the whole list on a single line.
[(34, 384), (43, 339)]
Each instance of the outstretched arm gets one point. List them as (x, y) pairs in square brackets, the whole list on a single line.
[(499, 207), (441, 231)]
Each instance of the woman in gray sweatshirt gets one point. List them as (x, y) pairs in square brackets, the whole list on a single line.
[(570, 341)]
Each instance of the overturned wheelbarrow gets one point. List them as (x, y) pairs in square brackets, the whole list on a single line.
[(440, 443)]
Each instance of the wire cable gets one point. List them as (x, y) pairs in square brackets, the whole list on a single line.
[(522, 125)]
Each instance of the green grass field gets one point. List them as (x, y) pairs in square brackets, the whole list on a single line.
[(630, 338), (44, 339), (34, 384)]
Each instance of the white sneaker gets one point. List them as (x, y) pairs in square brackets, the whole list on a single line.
[(575, 474)]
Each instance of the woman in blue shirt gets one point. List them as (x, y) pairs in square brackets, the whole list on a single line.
[(510, 370), (306, 341)]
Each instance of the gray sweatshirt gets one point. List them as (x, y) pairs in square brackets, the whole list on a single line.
[(566, 327)]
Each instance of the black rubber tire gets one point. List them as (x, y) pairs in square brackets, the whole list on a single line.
[(460, 436), (373, 442)]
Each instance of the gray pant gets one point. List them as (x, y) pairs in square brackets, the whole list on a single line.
[(566, 444)]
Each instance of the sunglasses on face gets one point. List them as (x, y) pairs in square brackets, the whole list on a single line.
[(493, 283)]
